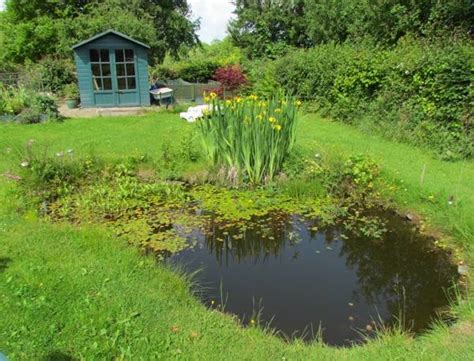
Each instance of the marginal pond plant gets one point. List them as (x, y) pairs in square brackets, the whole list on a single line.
[(248, 136)]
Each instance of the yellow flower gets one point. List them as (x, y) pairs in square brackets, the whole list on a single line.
[(253, 97), (272, 120), (238, 99), (298, 103), (213, 95), (260, 117), (228, 102), (207, 99), (278, 110), (277, 127)]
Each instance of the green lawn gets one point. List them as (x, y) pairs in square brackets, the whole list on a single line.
[(78, 292)]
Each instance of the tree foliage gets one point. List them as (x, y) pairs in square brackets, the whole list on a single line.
[(199, 63), (31, 29), (269, 27), (419, 91)]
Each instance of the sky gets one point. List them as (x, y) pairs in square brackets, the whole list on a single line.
[(214, 14)]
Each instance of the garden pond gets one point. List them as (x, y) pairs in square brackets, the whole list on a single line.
[(303, 267), (283, 271)]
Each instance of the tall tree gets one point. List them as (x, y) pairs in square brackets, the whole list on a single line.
[(31, 29), (263, 27), (266, 27)]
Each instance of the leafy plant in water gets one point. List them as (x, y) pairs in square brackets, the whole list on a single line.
[(365, 225)]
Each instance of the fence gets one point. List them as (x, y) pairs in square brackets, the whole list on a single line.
[(193, 92)]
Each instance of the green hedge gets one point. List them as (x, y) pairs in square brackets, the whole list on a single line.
[(420, 92), (193, 71)]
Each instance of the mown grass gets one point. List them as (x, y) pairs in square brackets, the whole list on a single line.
[(79, 292), (428, 194)]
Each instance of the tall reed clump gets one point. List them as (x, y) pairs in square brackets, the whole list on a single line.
[(249, 136)]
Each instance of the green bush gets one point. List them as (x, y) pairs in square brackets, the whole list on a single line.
[(28, 107), (71, 91), (192, 71), (419, 91), (13, 100), (198, 63), (50, 74)]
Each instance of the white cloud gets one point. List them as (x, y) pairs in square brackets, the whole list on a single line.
[(215, 15)]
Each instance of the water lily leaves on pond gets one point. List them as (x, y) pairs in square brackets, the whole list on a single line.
[(160, 215)]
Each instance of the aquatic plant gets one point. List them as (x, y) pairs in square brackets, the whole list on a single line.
[(249, 135)]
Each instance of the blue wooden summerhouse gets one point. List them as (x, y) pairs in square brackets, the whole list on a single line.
[(112, 70)]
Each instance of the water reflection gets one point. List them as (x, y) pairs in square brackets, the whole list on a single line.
[(330, 277)]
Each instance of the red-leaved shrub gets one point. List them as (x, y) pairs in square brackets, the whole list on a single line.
[(231, 77)]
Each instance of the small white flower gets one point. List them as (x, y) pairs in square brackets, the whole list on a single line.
[(70, 151), (59, 154), (407, 72), (24, 164), (318, 155)]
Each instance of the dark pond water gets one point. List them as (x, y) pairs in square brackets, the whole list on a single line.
[(302, 279)]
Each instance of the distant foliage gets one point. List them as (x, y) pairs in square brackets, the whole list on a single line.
[(420, 92), (29, 30), (193, 71), (270, 28), (50, 74), (199, 63)]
